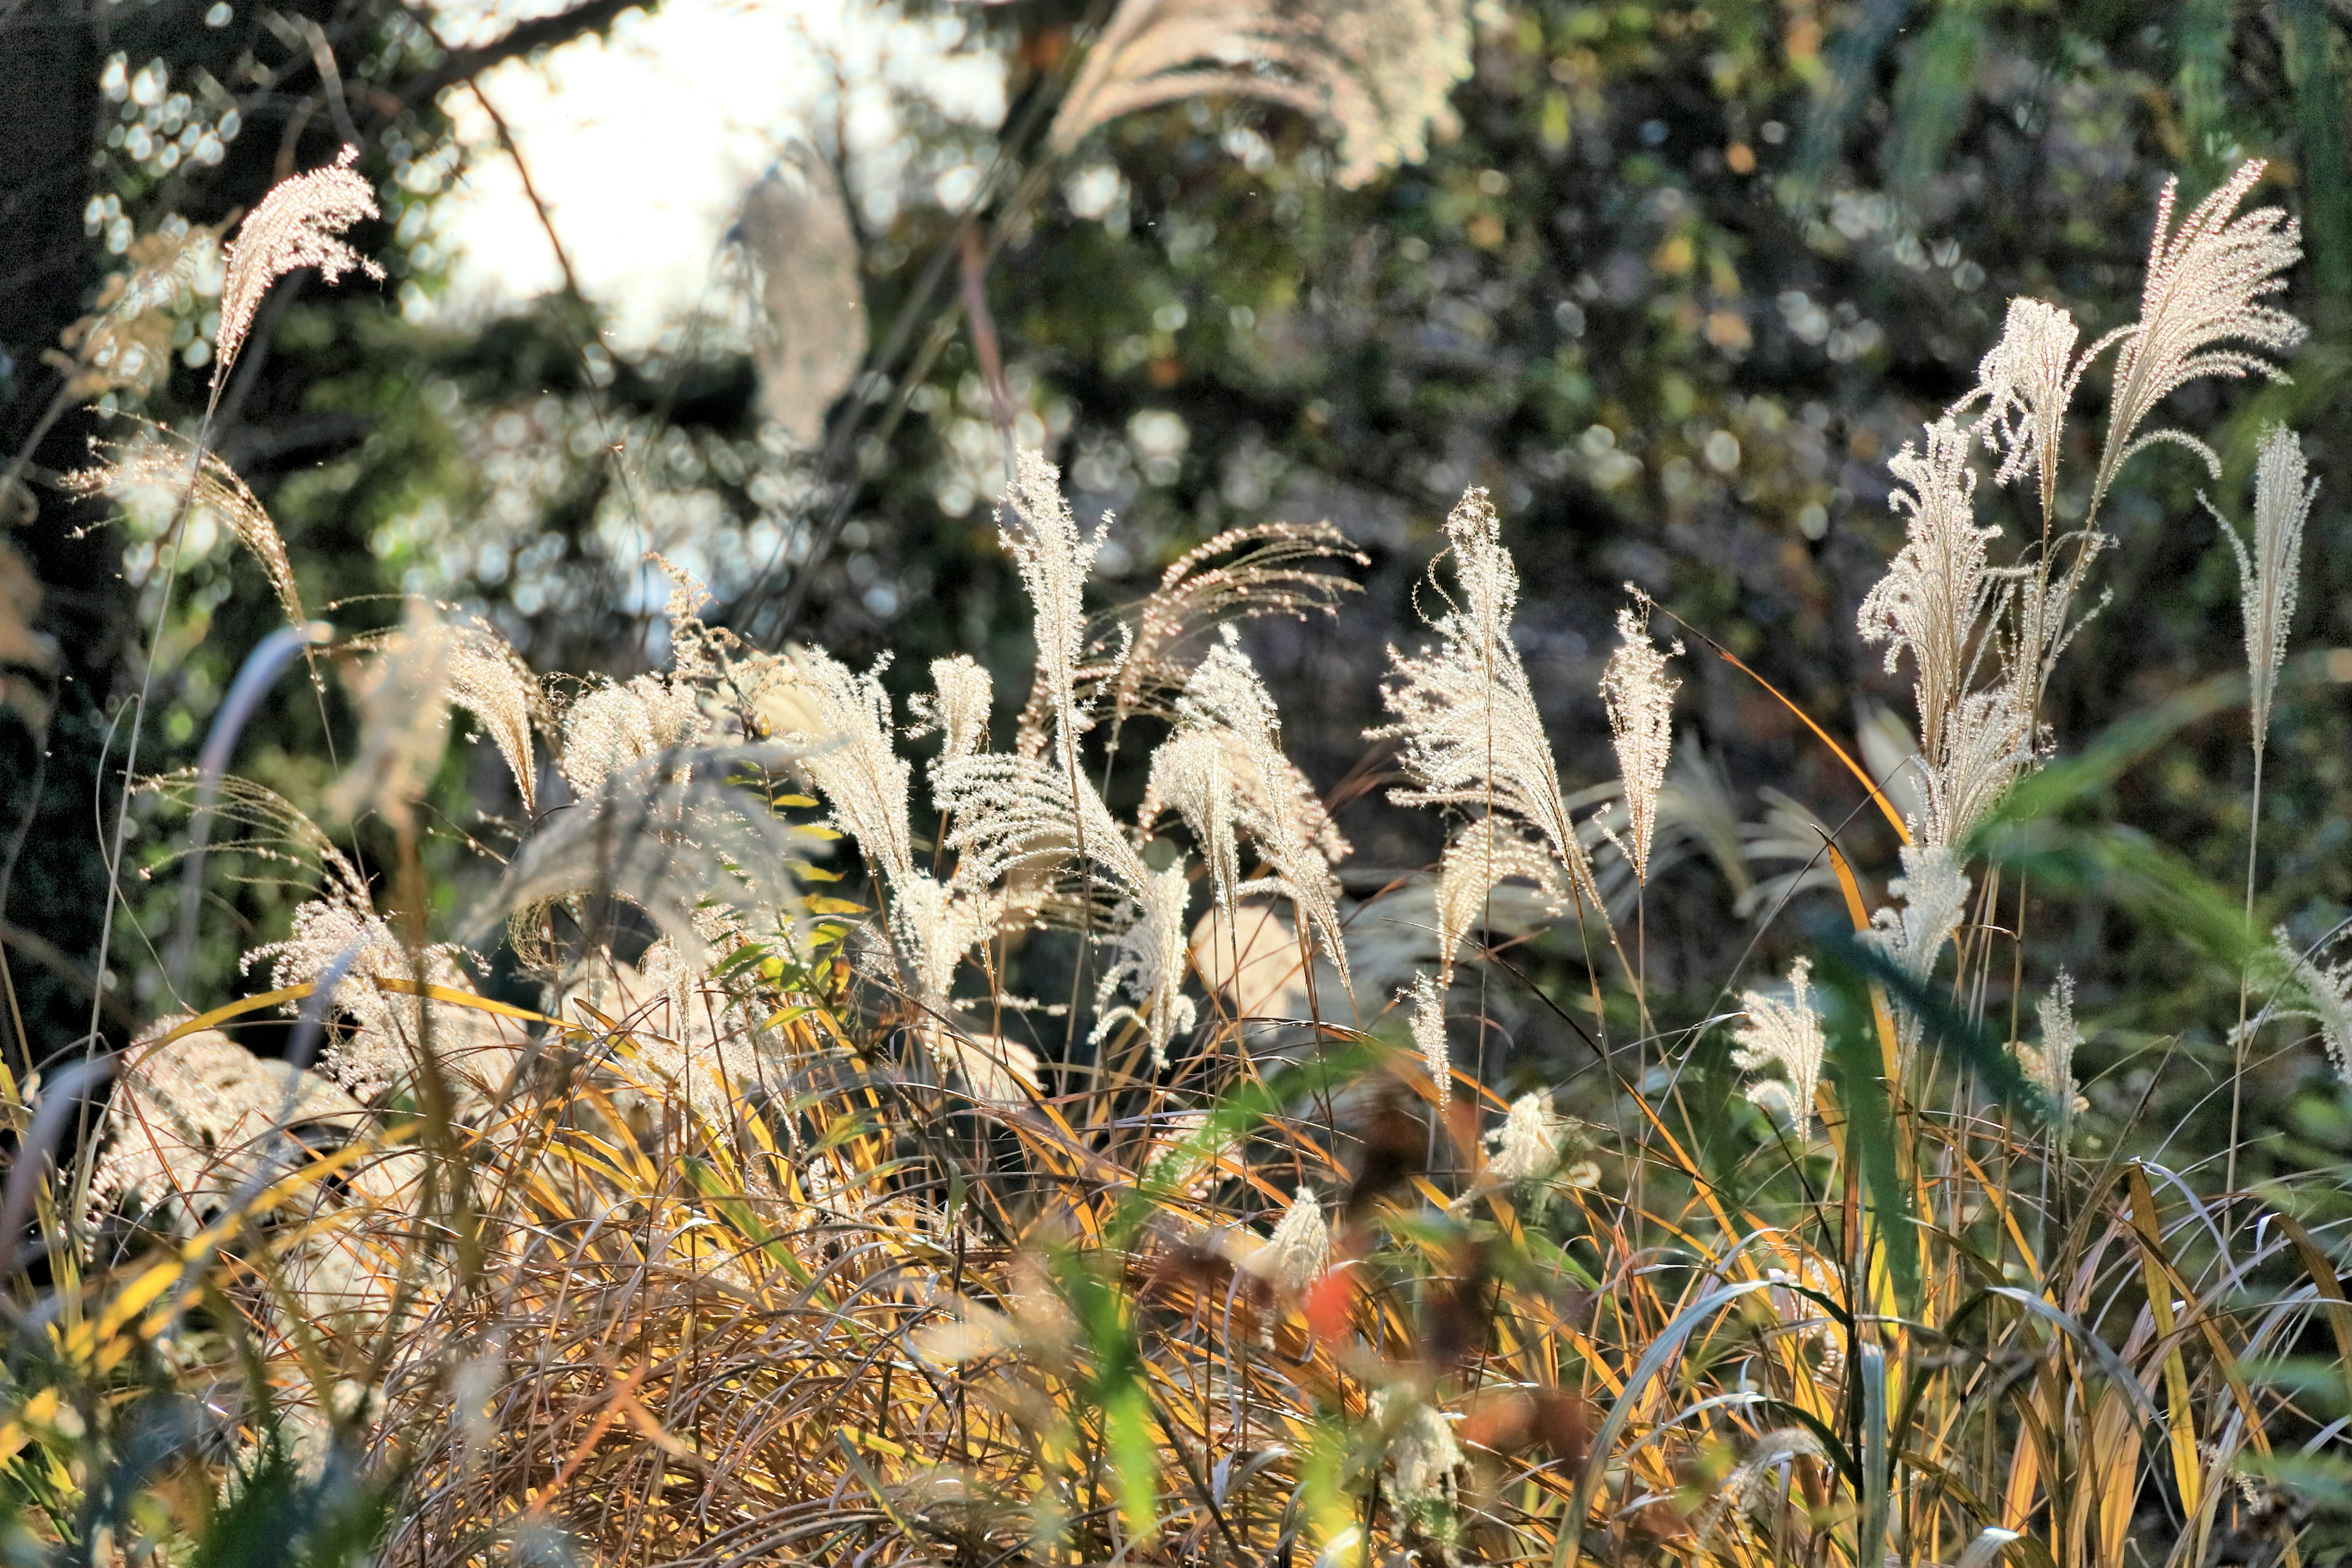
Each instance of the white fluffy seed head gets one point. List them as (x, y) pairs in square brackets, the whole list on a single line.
[(2267, 571), (298, 223), (1428, 1017), (1464, 712), (1782, 1032), (1640, 701), (2205, 283)]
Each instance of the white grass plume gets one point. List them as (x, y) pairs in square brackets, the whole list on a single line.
[(1640, 701), (2051, 1064), (842, 728), (1378, 72), (613, 725), (482, 674), (1487, 852), (1428, 1021), (158, 463), (298, 223), (1299, 1251), (2267, 571), (1939, 596), (2302, 986), (1269, 569), (1466, 713), (1783, 1033), (1912, 935), (193, 1121), (1034, 524), (2026, 383), (402, 693), (2205, 281), (1226, 704), (957, 707)]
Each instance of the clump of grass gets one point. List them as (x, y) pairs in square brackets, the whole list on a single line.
[(786, 1228)]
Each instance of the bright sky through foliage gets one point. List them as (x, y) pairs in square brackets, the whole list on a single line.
[(642, 143)]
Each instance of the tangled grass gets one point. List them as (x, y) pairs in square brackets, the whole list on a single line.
[(765, 1238)]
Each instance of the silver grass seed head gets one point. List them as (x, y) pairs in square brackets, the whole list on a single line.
[(961, 698), (402, 690), (489, 681), (1640, 699), (1939, 595), (1037, 530), (1376, 73), (1148, 964), (157, 464), (1487, 852), (1782, 1032), (1422, 1451), (298, 223), (2025, 382), (2302, 985), (612, 725), (1532, 1142), (2267, 571), (1428, 1021), (2204, 284), (2051, 1064), (1299, 1251), (1464, 710)]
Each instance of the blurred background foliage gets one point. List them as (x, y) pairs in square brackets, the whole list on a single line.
[(1677, 284)]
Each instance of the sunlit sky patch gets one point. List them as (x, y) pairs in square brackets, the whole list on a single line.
[(643, 143)]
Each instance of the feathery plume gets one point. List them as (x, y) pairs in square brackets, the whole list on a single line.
[(2267, 572), (1015, 813), (482, 674), (2051, 1064), (391, 1024), (2203, 281), (2026, 382), (1191, 773), (933, 925), (1532, 1142), (1429, 1033), (298, 223), (157, 464), (1935, 897), (1148, 963), (1299, 1251), (1035, 526), (957, 706), (844, 724), (1272, 571), (191, 1122), (1422, 1454), (2301, 987), (1257, 789), (1939, 598), (1487, 852), (1785, 1033), (1378, 72), (1466, 713), (1640, 702), (612, 725), (489, 680)]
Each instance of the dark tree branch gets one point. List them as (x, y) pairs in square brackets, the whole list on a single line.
[(544, 32)]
